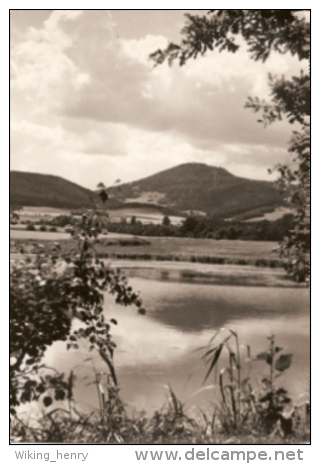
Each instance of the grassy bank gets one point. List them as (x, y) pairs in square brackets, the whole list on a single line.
[(242, 410), (168, 426)]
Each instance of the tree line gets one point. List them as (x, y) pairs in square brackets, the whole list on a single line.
[(212, 228)]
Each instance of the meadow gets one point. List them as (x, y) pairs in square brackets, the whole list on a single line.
[(122, 246), (144, 214)]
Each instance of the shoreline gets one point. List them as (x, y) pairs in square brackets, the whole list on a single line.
[(184, 270), (211, 274)]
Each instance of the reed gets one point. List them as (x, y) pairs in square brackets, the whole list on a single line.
[(241, 413)]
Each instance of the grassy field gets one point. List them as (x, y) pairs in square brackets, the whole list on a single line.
[(143, 214), (44, 210), (278, 213), (208, 251), (205, 251), (38, 213), (205, 247), (164, 245), (36, 235)]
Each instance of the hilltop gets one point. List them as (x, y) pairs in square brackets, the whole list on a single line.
[(202, 188)]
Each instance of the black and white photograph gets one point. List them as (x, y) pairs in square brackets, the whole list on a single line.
[(160, 228)]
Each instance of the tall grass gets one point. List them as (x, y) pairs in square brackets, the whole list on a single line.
[(243, 413), (267, 408)]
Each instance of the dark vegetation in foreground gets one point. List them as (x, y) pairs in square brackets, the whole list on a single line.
[(242, 414), (170, 425)]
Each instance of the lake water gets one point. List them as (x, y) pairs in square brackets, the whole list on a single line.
[(159, 349)]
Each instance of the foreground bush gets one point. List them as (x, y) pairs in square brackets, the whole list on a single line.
[(49, 290)]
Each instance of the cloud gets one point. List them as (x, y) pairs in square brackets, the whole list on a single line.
[(63, 149), (73, 137), (79, 90), (40, 66), (201, 100)]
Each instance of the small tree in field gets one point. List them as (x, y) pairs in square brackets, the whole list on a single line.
[(282, 31), (166, 221)]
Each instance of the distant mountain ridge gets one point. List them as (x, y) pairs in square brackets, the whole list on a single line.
[(31, 189), (187, 187), (199, 187)]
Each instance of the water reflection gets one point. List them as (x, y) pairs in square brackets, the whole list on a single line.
[(159, 348), (182, 317), (193, 308)]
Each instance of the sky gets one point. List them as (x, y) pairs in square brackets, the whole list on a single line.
[(88, 105)]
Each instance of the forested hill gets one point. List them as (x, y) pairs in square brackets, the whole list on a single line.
[(198, 187), (189, 187), (29, 189)]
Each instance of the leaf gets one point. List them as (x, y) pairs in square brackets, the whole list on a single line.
[(284, 362), (285, 400), (245, 381), (47, 401), (266, 381), (214, 360), (262, 356), (59, 395), (208, 353), (265, 398), (281, 391), (41, 388), (233, 333)]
